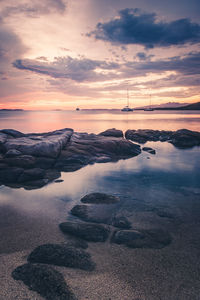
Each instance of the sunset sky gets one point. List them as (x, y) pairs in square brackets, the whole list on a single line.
[(60, 54)]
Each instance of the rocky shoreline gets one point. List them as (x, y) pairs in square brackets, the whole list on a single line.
[(35, 159)]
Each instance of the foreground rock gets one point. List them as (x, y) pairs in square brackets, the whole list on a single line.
[(62, 255), (100, 198), (154, 238), (87, 231), (46, 281), (32, 158), (182, 138)]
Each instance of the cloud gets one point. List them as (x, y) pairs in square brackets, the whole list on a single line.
[(134, 27), (77, 69), (32, 8), (143, 56)]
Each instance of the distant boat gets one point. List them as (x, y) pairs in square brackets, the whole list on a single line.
[(127, 108), (77, 108), (149, 108)]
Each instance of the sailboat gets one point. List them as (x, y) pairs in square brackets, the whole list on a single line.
[(149, 108), (127, 108)]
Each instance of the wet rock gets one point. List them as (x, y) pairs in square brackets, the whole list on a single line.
[(112, 132), (13, 133), (184, 138), (44, 162), (32, 174), (58, 180), (22, 161), (100, 198), (12, 153), (10, 175), (121, 222), (52, 175), (62, 255), (153, 238), (101, 214), (87, 231), (149, 150), (45, 280), (143, 135)]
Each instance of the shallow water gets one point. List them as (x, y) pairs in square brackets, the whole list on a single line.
[(156, 191)]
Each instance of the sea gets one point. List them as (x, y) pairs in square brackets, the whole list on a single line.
[(161, 190)]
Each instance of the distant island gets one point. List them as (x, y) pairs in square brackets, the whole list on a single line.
[(9, 109)]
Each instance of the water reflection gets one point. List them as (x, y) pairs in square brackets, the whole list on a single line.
[(97, 121)]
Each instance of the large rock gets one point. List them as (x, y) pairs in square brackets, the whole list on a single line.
[(62, 255), (10, 175), (32, 174), (47, 145), (143, 135), (13, 133), (45, 280), (22, 161), (100, 198), (184, 138), (153, 238), (112, 132), (87, 231)]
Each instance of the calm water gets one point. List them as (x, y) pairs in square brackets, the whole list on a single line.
[(162, 191), (97, 121)]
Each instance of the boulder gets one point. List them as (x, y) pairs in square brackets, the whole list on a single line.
[(62, 255), (13, 133), (112, 132), (44, 280), (184, 138), (100, 198), (32, 174), (87, 231), (10, 175)]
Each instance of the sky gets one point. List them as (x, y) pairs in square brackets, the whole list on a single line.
[(63, 54)]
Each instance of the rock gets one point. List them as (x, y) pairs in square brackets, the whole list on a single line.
[(44, 162), (22, 161), (3, 139), (62, 255), (12, 153), (101, 214), (100, 198), (32, 174), (149, 150), (153, 238), (58, 180), (112, 132), (143, 135), (121, 222), (13, 133), (45, 280), (184, 138), (47, 145), (87, 231), (34, 184), (10, 175)]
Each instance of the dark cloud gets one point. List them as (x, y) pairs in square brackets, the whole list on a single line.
[(143, 56), (134, 27), (77, 69)]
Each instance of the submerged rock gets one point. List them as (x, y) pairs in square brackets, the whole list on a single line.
[(149, 150), (153, 238), (87, 231), (100, 198), (44, 280), (62, 255), (101, 214), (112, 132)]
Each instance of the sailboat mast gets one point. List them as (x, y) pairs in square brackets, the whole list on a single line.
[(127, 98)]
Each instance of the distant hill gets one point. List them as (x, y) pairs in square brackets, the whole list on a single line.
[(193, 106), (165, 105), (8, 109)]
